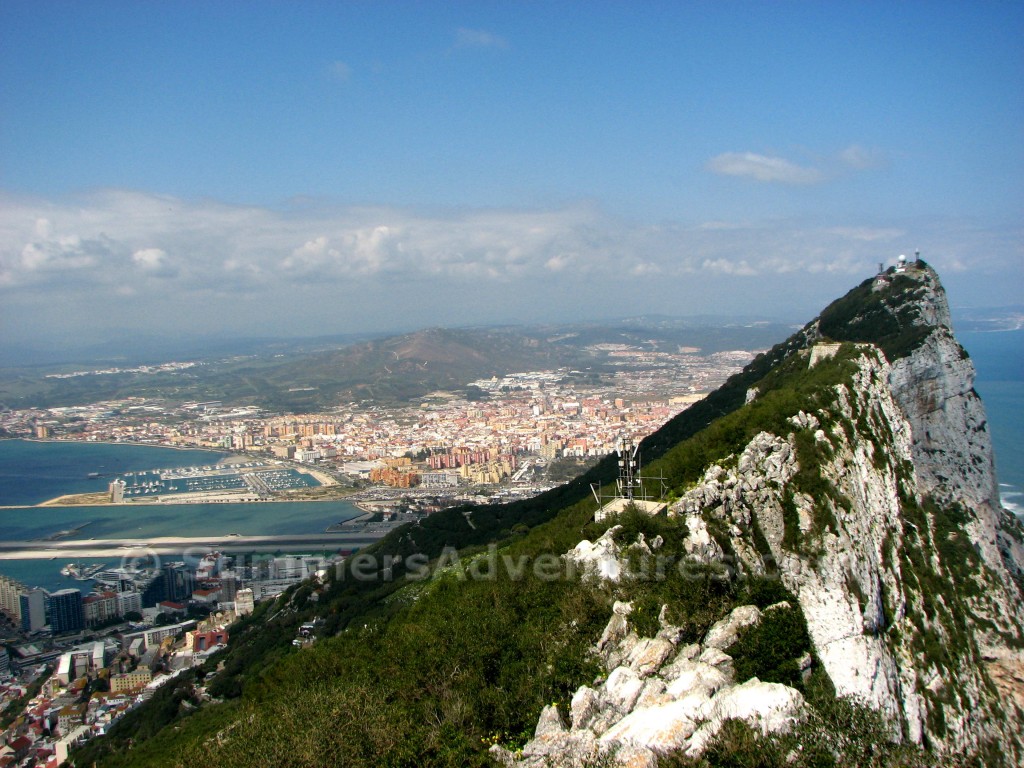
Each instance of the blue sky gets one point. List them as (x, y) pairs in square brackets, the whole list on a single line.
[(297, 168)]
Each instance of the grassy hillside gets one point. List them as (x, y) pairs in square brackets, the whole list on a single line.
[(428, 665)]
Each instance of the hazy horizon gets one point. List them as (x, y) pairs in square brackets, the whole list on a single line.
[(315, 169)]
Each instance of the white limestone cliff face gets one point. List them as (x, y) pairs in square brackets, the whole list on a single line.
[(904, 564), (658, 697), (867, 624), (952, 454), (848, 596), (952, 447)]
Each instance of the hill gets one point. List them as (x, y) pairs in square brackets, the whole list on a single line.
[(316, 374), (834, 583)]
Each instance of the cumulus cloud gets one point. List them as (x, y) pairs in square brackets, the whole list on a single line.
[(763, 168), (153, 262), (173, 261), (61, 255)]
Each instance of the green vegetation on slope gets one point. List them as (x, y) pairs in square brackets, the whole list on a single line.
[(431, 672), (888, 318)]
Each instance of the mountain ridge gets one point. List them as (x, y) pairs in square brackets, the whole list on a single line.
[(836, 493), (865, 546), (308, 377)]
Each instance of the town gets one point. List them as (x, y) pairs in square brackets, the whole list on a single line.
[(499, 433), (73, 664)]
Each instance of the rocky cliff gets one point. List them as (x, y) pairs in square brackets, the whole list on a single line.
[(833, 583), (869, 491)]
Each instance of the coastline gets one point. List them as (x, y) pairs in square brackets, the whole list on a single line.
[(325, 480), (325, 487), (68, 501), (120, 442)]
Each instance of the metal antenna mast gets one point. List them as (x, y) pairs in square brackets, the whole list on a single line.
[(629, 470)]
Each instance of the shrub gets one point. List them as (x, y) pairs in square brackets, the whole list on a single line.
[(770, 649)]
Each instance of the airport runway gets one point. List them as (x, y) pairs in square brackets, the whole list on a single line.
[(175, 545)]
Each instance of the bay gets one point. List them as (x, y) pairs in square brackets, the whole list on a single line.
[(32, 472)]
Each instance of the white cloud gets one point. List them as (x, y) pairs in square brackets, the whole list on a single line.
[(868, 234), (174, 262), (340, 71), (478, 38), (767, 168), (150, 259), (862, 158), (763, 168), (307, 256), (644, 268), (559, 262), (728, 267), (59, 255)]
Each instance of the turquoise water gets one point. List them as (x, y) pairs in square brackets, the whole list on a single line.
[(999, 359), (1004, 404), (31, 472), (151, 520), (144, 521), (46, 573)]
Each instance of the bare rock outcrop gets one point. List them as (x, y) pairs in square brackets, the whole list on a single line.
[(876, 504), (659, 697)]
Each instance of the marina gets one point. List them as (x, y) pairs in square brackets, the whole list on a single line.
[(256, 479), (80, 572)]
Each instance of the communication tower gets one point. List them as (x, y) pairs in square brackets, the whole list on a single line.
[(629, 486)]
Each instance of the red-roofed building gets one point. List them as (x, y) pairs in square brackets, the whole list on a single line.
[(20, 747), (43, 753)]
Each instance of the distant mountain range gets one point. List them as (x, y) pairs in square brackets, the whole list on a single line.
[(302, 375)]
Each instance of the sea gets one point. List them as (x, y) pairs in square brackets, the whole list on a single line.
[(35, 471), (999, 360), (32, 472)]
